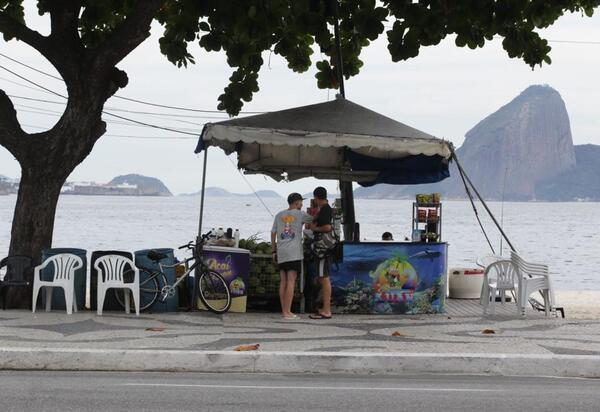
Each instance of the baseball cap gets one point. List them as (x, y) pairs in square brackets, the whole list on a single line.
[(320, 193), (294, 197)]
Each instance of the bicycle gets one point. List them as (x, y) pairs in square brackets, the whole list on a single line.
[(211, 286)]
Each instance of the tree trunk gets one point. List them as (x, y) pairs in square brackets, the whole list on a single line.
[(33, 221), (46, 163)]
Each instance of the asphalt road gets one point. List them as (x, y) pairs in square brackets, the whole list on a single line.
[(91, 391)]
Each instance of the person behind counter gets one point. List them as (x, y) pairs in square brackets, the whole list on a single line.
[(286, 238), (323, 224)]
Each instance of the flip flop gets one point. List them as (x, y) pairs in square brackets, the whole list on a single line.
[(290, 317), (319, 316)]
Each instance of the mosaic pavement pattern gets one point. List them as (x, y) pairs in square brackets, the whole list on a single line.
[(458, 331)]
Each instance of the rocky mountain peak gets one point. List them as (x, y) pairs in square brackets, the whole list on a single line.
[(528, 139)]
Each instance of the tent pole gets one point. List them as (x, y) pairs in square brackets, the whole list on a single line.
[(348, 207), (345, 187), (202, 193), (338, 48), (462, 172)]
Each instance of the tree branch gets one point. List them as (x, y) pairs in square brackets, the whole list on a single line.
[(129, 34), (11, 133), (12, 28)]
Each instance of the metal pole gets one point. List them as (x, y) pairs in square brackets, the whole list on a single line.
[(202, 192), (482, 201), (338, 48), (346, 191)]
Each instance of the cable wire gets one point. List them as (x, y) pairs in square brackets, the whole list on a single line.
[(128, 98), (105, 112), (251, 187), (475, 209)]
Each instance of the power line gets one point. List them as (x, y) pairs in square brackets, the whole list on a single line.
[(55, 113), (575, 41), (124, 135), (186, 109), (128, 98), (114, 109), (30, 67), (105, 112), (549, 40)]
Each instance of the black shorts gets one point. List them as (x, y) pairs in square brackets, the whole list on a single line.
[(295, 265)]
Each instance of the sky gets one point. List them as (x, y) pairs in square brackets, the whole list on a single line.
[(445, 91)]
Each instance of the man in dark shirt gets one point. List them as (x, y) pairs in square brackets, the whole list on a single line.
[(323, 224)]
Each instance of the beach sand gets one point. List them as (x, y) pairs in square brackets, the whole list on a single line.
[(580, 304)]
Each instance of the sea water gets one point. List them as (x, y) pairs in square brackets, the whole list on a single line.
[(564, 235)]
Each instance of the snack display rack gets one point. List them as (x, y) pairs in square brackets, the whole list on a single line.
[(427, 218)]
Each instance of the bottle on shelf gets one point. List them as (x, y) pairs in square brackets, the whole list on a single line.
[(236, 237)]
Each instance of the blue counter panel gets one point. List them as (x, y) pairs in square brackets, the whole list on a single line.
[(390, 278)]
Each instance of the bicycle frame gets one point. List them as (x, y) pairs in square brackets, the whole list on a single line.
[(188, 269), (198, 263)]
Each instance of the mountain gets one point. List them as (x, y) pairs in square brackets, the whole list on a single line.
[(524, 150), (527, 140), (147, 186), (578, 183), (220, 192)]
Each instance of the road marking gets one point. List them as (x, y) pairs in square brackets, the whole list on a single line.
[(318, 388)]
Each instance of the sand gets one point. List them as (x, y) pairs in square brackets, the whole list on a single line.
[(580, 304)]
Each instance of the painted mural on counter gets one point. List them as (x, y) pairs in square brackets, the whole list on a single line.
[(379, 278)]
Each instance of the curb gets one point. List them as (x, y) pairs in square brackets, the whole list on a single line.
[(392, 363)]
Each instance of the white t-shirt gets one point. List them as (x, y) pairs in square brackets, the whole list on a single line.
[(288, 225)]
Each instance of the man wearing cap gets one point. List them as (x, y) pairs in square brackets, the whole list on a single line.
[(286, 238), (323, 224)]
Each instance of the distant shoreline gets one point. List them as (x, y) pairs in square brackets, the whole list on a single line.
[(251, 196)]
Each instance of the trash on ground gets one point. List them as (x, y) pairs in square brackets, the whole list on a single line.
[(245, 348)]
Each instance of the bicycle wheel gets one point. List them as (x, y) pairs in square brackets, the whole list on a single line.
[(213, 292), (150, 289)]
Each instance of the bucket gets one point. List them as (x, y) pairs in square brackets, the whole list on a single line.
[(465, 283)]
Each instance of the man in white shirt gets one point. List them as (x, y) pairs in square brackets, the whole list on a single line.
[(286, 238)]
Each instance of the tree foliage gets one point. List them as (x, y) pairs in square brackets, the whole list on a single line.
[(247, 29)]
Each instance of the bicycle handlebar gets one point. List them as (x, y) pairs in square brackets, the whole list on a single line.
[(191, 245), (188, 246)]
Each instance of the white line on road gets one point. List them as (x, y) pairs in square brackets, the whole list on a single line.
[(318, 388)]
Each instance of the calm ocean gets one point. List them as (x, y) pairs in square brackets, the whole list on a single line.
[(564, 235)]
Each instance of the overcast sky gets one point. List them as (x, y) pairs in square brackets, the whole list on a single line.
[(444, 91)]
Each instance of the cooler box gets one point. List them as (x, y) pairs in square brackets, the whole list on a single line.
[(58, 295), (142, 260), (465, 283), (234, 265)]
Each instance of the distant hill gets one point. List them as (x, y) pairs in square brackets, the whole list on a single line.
[(526, 144), (579, 183), (220, 192), (148, 186)]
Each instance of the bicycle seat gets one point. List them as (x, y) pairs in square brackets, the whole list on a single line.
[(156, 256)]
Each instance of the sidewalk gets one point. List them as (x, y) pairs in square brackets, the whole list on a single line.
[(205, 342)]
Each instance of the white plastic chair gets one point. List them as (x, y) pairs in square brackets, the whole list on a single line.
[(485, 261), (65, 265), (533, 277), (499, 277), (111, 270)]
